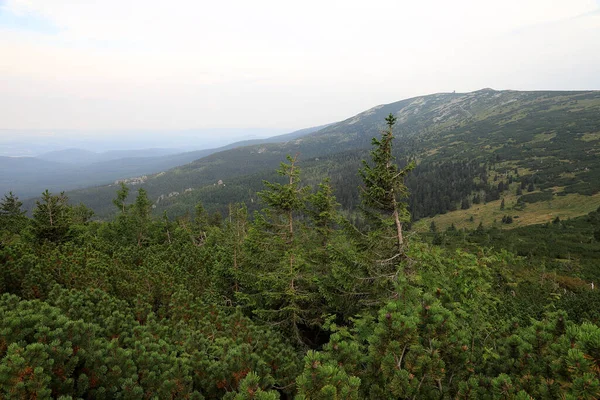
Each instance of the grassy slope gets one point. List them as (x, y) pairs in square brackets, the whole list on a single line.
[(569, 206)]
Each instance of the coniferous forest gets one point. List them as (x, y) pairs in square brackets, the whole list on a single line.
[(298, 300)]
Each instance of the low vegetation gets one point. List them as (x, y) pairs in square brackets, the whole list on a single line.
[(298, 300)]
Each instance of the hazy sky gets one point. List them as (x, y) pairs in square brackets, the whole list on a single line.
[(140, 64)]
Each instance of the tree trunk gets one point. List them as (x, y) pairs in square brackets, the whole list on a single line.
[(398, 227)]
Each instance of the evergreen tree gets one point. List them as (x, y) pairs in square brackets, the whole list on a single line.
[(82, 214), (331, 257), (141, 216), (465, 205), (12, 218), (323, 211), (52, 217), (121, 198), (383, 190), (227, 269), (432, 227), (279, 283), (480, 229), (502, 205), (200, 226)]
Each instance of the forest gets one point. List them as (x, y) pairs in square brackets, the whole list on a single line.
[(299, 297)]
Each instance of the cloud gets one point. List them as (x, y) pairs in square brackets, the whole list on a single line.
[(187, 64)]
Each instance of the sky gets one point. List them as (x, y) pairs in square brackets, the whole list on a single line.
[(279, 65)]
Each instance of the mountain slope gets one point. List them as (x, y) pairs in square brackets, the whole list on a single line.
[(86, 157), (465, 145), (29, 176)]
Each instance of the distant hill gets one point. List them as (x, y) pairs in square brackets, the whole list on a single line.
[(29, 176), (465, 144), (70, 156), (86, 157)]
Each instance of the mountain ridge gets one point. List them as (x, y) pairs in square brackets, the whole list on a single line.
[(478, 133), (28, 181)]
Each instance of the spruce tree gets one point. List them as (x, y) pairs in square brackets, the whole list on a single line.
[(383, 190), (200, 226), (12, 218), (323, 211), (465, 205), (480, 229), (141, 216), (52, 217), (227, 271), (277, 275), (432, 227), (119, 201)]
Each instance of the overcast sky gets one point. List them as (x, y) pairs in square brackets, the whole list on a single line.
[(149, 64)]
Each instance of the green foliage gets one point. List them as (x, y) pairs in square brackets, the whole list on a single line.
[(88, 344), (383, 190), (12, 217), (324, 379), (277, 277), (52, 218), (203, 308), (535, 197), (119, 201)]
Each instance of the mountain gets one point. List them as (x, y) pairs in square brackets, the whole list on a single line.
[(86, 157), (29, 176), (545, 143), (70, 156)]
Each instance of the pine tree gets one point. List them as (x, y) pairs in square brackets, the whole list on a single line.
[(12, 218), (502, 205), (383, 190)]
